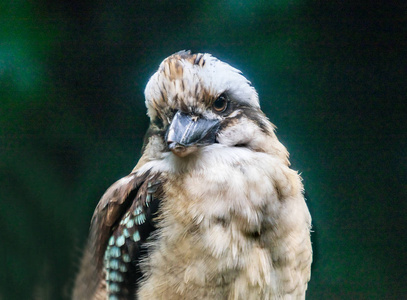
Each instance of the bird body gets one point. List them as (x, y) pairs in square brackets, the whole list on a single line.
[(212, 210)]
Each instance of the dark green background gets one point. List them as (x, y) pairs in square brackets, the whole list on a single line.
[(330, 74)]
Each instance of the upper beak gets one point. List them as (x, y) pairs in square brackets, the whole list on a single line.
[(186, 133)]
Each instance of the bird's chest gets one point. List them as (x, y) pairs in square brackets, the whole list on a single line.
[(218, 232), (211, 221), (208, 245), (219, 200)]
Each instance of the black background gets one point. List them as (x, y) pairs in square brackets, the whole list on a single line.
[(330, 74)]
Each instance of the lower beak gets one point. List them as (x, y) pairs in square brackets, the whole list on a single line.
[(187, 133)]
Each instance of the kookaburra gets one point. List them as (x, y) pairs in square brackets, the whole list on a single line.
[(212, 209)]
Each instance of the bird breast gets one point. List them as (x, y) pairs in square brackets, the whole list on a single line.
[(218, 223)]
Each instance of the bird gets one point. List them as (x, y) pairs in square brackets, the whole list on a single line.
[(212, 210)]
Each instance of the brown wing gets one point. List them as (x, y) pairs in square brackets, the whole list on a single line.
[(132, 194)]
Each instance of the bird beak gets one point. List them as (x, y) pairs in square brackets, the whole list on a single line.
[(186, 133)]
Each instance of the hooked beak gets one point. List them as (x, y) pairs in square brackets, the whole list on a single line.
[(186, 133)]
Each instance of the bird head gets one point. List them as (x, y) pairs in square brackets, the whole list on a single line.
[(196, 100)]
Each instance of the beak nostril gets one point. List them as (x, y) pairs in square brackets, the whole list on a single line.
[(180, 150)]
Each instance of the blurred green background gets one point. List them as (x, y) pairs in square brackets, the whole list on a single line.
[(330, 74)]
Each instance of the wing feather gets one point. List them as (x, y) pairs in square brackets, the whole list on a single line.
[(135, 190)]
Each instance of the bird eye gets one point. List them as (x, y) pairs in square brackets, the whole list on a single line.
[(220, 104)]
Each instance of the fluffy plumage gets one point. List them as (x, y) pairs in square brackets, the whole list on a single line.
[(212, 210)]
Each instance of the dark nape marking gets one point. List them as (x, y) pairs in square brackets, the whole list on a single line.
[(278, 192), (256, 115), (229, 121)]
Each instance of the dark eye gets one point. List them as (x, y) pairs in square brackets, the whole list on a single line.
[(220, 104)]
